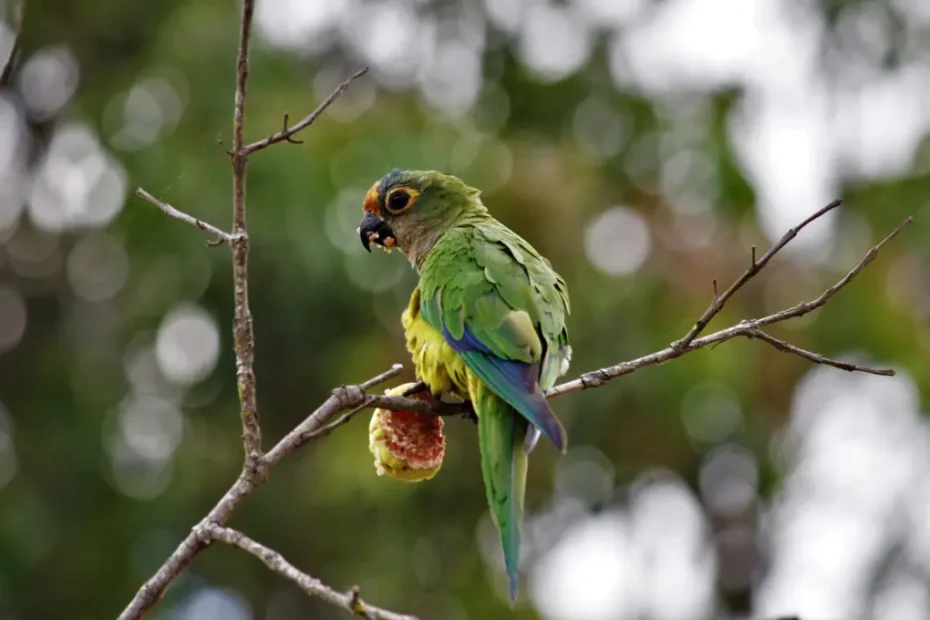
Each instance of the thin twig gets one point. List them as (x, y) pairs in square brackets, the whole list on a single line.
[(755, 267), (597, 378), (290, 138), (350, 601), (286, 133), (808, 306), (14, 51), (817, 358), (221, 235)]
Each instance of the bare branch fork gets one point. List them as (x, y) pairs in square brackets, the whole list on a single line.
[(348, 400)]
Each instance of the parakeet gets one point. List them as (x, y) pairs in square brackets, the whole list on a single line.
[(486, 323)]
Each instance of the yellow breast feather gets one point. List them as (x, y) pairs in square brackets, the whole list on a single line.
[(435, 362)]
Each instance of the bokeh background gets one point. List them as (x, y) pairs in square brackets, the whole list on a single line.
[(643, 146)]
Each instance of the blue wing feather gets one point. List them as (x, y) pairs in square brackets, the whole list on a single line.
[(515, 382)]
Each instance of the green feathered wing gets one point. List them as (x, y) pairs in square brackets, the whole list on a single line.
[(502, 308)]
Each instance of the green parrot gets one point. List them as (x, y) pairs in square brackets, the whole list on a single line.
[(486, 323)]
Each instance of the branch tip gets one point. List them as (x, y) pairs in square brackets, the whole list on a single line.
[(286, 133), (167, 209)]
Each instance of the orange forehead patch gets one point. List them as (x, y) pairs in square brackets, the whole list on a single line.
[(371, 204)]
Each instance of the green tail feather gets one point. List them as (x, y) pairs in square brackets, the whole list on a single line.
[(501, 433)]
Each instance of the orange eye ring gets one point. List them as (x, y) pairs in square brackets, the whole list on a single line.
[(400, 199)]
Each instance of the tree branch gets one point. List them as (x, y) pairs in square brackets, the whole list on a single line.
[(286, 134), (817, 358), (221, 235), (755, 266), (255, 465), (243, 334), (153, 589), (747, 328), (349, 601), (11, 60)]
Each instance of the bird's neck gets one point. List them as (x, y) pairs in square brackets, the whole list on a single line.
[(418, 243)]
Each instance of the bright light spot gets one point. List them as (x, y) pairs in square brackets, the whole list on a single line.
[(376, 275), (765, 131), (584, 473), (686, 169), (728, 480), (341, 220), (586, 576), (13, 324), (859, 452), (881, 123), (493, 110), (187, 345), (915, 12), (8, 464), (144, 372), (507, 15), (12, 181), (135, 476), (453, 78), (12, 132), (300, 24), (619, 565), (395, 40), (599, 128), (215, 604), (151, 427), (490, 164), (151, 108), (671, 543), (47, 80), (97, 267), (553, 42), (609, 13), (710, 412), (77, 183), (617, 241), (146, 433), (680, 47)]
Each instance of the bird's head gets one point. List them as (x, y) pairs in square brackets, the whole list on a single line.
[(411, 209)]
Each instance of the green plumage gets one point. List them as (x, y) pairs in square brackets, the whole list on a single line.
[(486, 300)]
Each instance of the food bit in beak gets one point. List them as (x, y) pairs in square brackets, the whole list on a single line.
[(373, 229)]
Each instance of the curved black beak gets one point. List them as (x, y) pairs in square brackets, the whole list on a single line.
[(373, 228)]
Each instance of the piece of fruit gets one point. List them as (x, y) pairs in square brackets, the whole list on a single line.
[(406, 445)]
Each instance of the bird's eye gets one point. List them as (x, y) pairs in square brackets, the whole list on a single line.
[(398, 200)]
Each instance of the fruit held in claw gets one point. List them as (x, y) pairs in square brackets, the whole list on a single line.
[(406, 445)]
